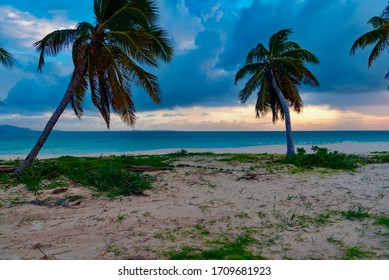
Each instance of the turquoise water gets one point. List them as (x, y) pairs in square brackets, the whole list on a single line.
[(75, 143)]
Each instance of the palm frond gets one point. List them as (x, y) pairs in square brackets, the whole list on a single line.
[(367, 39), (77, 101), (301, 54), (161, 45), (277, 39), (381, 45), (259, 54), (252, 84), (6, 58), (132, 45), (264, 96), (248, 69), (54, 43), (376, 22), (126, 18)]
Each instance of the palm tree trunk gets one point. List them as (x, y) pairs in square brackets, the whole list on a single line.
[(288, 126), (52, 121)]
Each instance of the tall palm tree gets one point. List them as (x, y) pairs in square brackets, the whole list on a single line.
[(276, 74), (379, 37), (107, 58), (6, 59)]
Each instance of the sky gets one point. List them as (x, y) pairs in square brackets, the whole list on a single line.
[(211, 39)]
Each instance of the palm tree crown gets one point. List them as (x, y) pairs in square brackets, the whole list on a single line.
[(378, 36), (276, 74), (107, 56)]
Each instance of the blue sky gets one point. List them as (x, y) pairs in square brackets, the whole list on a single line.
[(211, 39)]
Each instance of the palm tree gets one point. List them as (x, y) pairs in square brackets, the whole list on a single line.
[(276, 74), (379, 37), (107, 58), (6, 59)]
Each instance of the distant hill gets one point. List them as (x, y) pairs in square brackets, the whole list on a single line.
[(11, 128)]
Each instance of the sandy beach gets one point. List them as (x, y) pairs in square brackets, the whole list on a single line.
[(288, 213)]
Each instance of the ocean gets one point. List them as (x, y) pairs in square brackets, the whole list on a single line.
[(20, 142)]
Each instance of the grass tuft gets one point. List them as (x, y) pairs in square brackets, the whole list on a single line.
[(223, 250), (355, 212), (354, 253), (382, 220)]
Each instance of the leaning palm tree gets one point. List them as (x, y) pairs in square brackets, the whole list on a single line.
[(276, 74), (379, 37), (6, 59), (107, 58)]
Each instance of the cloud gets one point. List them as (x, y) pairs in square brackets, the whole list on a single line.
[(181, 24), (173, 115), (27, 28)]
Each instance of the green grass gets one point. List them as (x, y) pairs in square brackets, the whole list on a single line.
[(356, 212), (322, 219), (382, 220), (221, 250), (355, 253), (109, 175), (375, 157), (322, 157), (6, 180)]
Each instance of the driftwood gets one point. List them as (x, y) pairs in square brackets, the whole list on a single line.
[(148, 168), (7, 168)]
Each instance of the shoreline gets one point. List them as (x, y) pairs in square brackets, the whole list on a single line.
[(348, 148)]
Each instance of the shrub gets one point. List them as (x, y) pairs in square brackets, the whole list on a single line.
[(322, 157)]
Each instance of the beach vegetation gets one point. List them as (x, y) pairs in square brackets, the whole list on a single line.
[(356, 212), (201, 229), (375, 157), (356, 253), (120, 217), (332, 239), (110, 175), (111, 247), (74, 197), (109, 59), (242, 215), (322, 219), (379, 37), (6, 180), (223, 249), (382, 220), (322, 157), (276, 74)]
